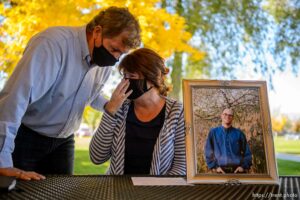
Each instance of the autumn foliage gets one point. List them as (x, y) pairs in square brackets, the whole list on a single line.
[(21, 19)]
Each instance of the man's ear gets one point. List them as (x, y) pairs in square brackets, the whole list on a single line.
[(97, 33)]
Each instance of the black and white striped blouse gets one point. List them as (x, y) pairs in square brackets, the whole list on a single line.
[(168, 157)]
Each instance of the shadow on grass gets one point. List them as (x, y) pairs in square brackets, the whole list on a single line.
[(83, 164)]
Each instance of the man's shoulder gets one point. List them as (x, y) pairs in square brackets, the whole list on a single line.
[(215, 129), (59, 33), (236, 129), (61, 38)]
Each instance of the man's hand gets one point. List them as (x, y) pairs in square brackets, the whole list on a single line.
[(20, 174), (218, 170), (239, 170), (118, 97)]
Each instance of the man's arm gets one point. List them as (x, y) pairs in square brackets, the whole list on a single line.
[(247, 156), (20, 174), (209, 151), (99, 103), (35, 73)]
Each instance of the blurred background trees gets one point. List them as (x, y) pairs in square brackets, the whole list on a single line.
[(215, 39), (239, 36), (20, 20)]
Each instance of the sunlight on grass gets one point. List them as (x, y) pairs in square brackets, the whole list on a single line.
[(286, 146), (83, 164), (82, 143)]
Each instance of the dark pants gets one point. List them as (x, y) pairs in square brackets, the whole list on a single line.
[(229, 169), (45, 155)]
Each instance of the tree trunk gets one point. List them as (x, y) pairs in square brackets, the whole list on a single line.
[(176, 75), (177, 62)]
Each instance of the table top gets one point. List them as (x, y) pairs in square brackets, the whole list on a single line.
[(121, 187)]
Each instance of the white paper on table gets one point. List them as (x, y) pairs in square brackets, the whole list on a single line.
[(152, 181)]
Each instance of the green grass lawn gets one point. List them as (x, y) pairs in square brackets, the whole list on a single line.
[(286, 146), (290, 147), (286, 167), (83, 165)]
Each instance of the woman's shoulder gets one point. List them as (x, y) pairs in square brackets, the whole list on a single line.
[(173, 103), (174, 108)]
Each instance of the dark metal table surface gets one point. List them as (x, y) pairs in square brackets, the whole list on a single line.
[(121, 187)]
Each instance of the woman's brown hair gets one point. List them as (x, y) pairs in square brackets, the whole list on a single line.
[(148, 63)]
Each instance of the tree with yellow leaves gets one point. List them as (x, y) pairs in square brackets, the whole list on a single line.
[(21, 19), (281, 123)]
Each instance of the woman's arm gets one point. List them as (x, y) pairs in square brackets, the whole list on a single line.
[(101, 143), (179, 160)]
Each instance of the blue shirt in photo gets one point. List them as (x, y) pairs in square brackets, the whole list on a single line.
[(227, 147)]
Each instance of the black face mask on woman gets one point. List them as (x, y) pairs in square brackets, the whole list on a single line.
[(102, 57), (136, 91)]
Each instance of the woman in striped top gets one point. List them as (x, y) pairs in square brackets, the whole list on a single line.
[(142, 131)]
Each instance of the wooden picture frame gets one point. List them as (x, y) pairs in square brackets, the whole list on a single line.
[(204, 101)]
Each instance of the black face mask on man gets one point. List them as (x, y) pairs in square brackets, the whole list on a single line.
[(136, 90), (102, 57)]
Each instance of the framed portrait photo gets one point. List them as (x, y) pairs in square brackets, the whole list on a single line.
[(228, 132)]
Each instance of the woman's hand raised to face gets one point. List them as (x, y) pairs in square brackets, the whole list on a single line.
[(118, 97)]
